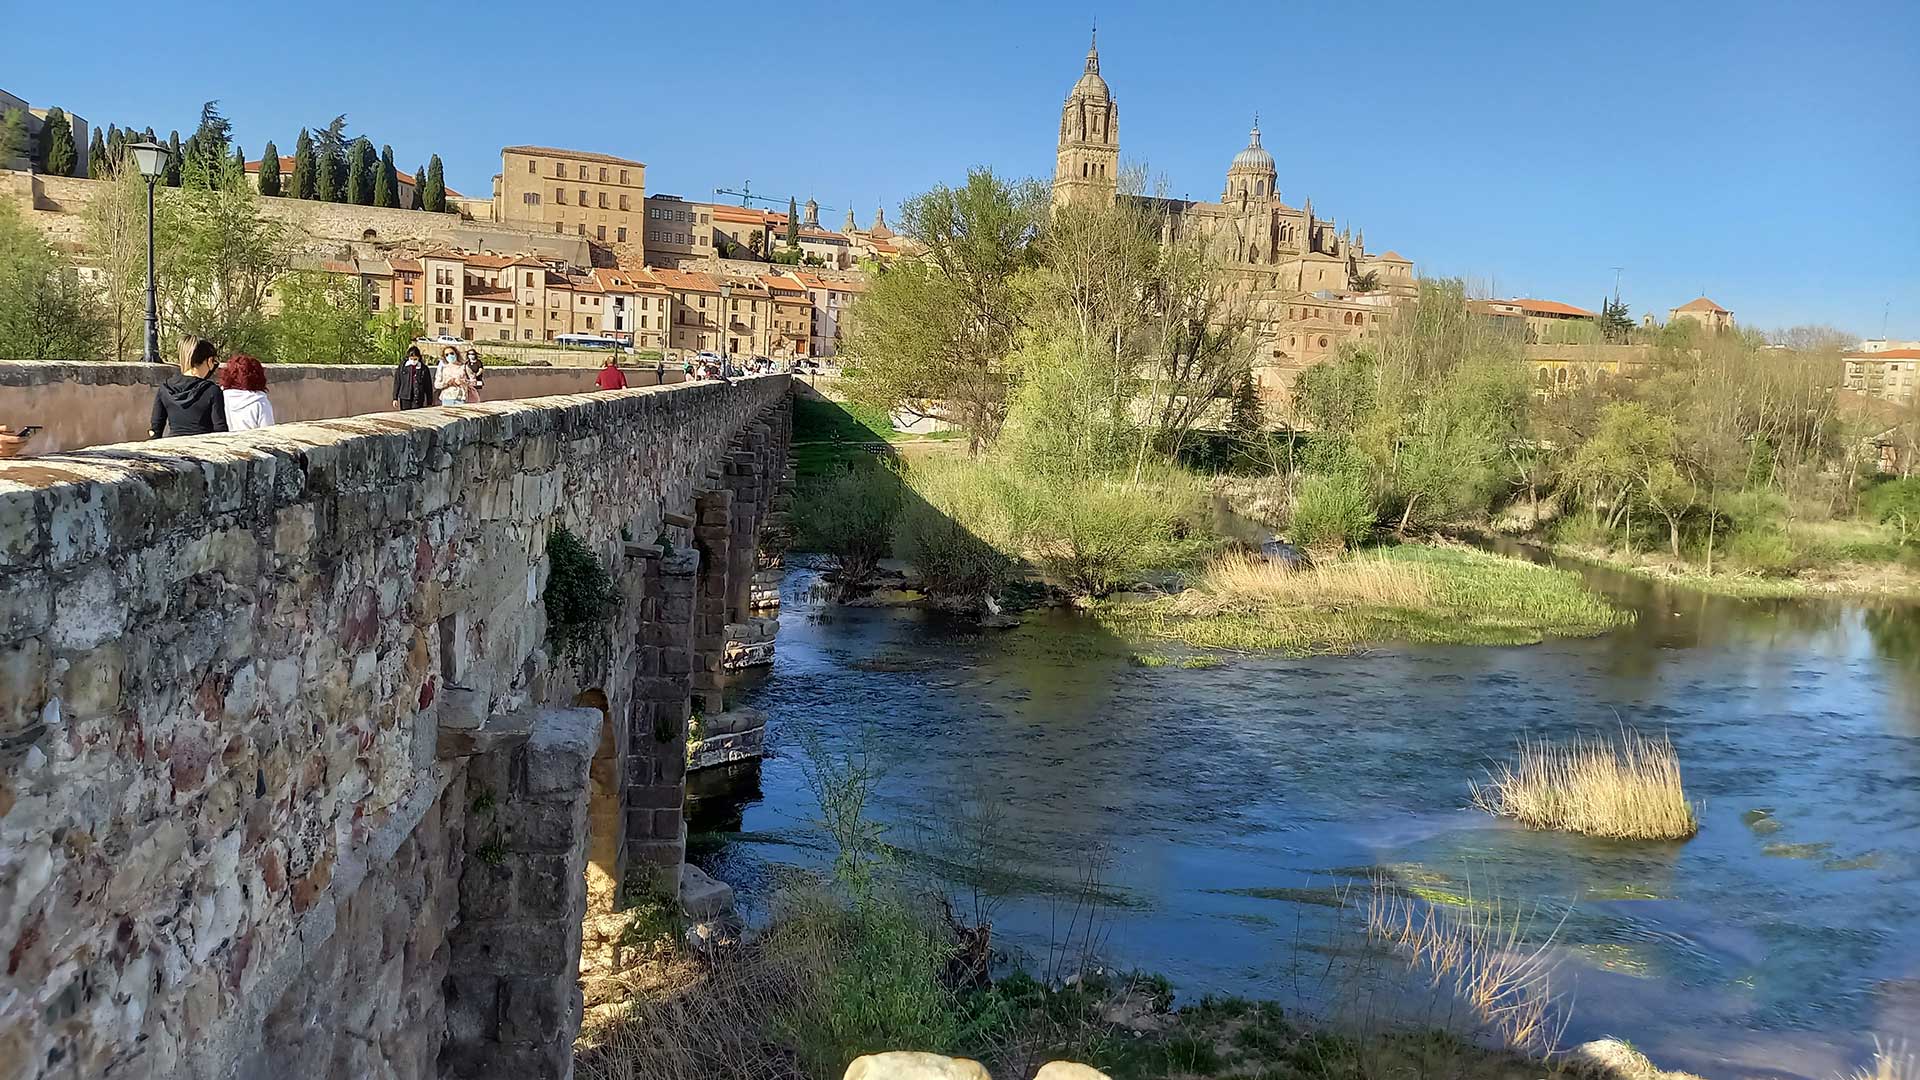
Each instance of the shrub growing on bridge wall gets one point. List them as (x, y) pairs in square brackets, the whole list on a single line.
[(579, 596)]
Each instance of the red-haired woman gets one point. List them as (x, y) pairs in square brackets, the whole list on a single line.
[(243, 385)]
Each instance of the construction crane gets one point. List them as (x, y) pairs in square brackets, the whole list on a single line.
[(748, 198)]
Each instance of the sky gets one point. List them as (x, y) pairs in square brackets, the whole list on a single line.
[(1766, 154)]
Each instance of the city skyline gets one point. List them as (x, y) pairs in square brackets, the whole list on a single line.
[(1530, 152)]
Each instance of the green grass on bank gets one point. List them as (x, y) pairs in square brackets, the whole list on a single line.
[(1434, 595), (1842, 577)]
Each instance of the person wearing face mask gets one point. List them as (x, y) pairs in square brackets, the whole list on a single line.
[(453, 379)]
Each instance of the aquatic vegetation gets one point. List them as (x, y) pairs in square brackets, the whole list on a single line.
[(1486, 952), (1891, 1061), (1628, 789), (1426, 595), (1158, 660)]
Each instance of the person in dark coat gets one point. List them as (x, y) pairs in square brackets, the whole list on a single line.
[(412, 382), (190, 403)]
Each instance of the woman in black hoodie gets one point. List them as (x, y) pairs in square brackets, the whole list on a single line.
[(190, 402)]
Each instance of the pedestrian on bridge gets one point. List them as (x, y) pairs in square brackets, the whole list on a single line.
[(611, 377), (190, 403), (243, 390), (453, 379), (412, 382)]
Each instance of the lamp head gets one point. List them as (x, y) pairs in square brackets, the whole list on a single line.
[(150, 157)]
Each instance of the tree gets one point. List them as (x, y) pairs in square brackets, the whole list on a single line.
[(433, 194), (306, 179), (324, 319), (270, 169), (386, 186), (218, 256), (97, 166), (932, 335), (419, 181), (13, 135), (1245, 417), (45, 312), (1616, 326), (116, 147), (175, 160), (117, 222), (359, 177), (330, 153), (238, 163), (1367, 282), (58, 155), (207, 150), (793, 223)]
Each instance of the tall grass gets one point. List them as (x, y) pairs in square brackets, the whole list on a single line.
[(1891, 1061), (1244, 583), (848, 515), (1486, 953), (1628, 789)]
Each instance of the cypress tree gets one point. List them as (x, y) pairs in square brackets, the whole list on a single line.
[(239, 161), (326, 183), (386, 186), (13, 134), (305, 183), (174, 158), (359, 183), (433, 195), (56, 142), (419, 181), (116, 147), (97, 156), (793, 223), (270, 169), (331, 152)]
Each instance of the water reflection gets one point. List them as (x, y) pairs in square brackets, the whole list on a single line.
[(1221, 810)]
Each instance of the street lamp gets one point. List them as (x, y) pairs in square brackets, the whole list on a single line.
[(726, 324), (152, 160)]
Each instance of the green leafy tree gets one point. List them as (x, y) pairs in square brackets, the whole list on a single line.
[(433, 194), (330, 154), (209, 146), (359, 178), (1367, 282), (793, 223), (59, 155), (757, 243), (97, 166), (1616, 326), (270, 169), (419, 181), (218, 259), (45, 312), (13, 134), (386, 186), (323, 319), (117, 226), (306, 169)]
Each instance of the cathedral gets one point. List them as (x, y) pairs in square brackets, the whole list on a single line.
[(1309, 282)]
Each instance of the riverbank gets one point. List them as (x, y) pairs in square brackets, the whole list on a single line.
[(1435, 595), (1892, 580)]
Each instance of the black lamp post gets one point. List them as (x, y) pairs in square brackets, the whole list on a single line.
[(726, 327), (152, 160)]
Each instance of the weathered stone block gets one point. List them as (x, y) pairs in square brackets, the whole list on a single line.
[(560, 750)]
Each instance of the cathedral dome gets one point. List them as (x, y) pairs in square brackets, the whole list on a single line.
[(1091, 84), (1255, 157)]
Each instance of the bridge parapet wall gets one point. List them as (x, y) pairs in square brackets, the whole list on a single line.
[(235, 839)]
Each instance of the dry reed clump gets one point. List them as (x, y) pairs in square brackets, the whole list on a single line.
[(1891, 1061), (1625, 790), (1483, 952), (1241, 583)]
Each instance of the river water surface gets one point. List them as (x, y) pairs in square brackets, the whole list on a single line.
[(1221, 815)]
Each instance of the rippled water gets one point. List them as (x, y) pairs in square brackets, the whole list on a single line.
[(1220, 814)]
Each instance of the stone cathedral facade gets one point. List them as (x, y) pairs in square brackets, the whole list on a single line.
[(1311, 284)]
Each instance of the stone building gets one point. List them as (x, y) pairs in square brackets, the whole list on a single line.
[(1308, 283), (599, 197), (1889, 374), (1703, 311), (677, 229)]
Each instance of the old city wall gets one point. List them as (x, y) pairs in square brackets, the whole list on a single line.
[(87, 403), (292, 780)]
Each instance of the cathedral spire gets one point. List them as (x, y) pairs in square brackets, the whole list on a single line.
[(1093, 51)]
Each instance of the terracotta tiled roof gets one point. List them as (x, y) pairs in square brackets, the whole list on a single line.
[(406, 264), (1886, 354), (444, 254), (1702, 304), (572, 155), (1548, 307), (747, 214), (482, 292), (783, 283), (616, 281), (490, 262), (686, 281), (335, 266)]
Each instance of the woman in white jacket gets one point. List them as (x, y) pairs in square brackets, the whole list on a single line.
[(243, 389), (453, 380)]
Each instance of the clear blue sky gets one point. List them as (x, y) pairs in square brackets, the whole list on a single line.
[(1766, 152)]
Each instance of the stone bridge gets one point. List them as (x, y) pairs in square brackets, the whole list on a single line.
[(292, 781)]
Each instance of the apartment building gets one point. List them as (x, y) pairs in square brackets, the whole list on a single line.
[(1889, 374), (747, 229), (790, 314), (695, 301), (828, 304), (636, 308), (599, 197), (676, 230), (444, 305), (407, 294)]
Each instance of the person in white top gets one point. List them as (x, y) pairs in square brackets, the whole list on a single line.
[(243, 390), (453, 379)]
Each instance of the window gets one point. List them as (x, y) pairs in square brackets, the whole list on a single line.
[(603, 174), (583, 196), (603, 200), (623, 176), (560, 170), (559, 196), (533, 166), (589, 322), (407, 294), (560, 227), (623, 202), (620, 234), (531, 198), (583, 228), (583, 172), (599, 232), (703, 219)]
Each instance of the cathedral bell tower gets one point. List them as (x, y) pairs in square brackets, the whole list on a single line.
[(1087, 164)]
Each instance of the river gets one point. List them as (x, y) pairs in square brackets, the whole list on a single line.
[(1220, 815)]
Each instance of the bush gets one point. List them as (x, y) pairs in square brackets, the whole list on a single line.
[(1333, 511), (849, 516), (1098, 536), (960, 528), (580, 593), (1766, 549), (1896, 503)]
